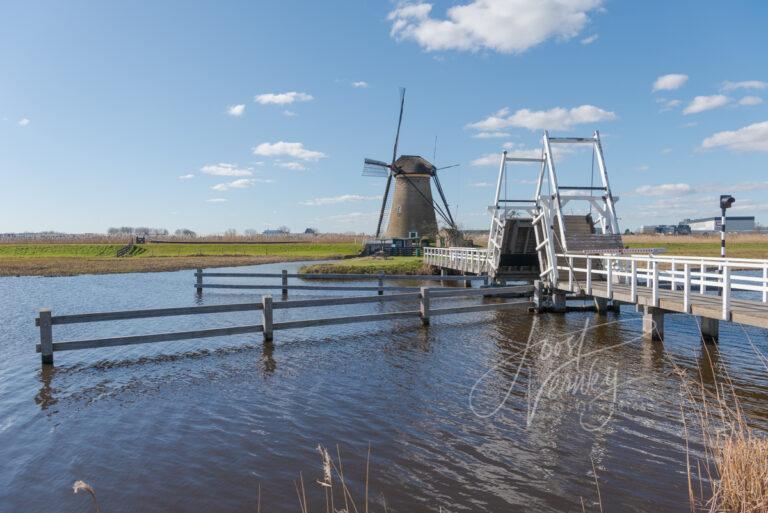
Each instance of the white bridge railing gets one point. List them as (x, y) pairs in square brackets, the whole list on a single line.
[(689, 275), (468, 260)]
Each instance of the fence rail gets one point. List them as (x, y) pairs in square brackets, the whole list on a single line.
[(46, 320), (693, 276)]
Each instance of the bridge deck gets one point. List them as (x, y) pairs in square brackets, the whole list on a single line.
[(752, 313)]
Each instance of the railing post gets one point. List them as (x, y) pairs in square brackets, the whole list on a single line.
[(381, 283), (609, 278), (687, 289), (424, 307), (589, 275), (285, 283), (570, 274), (765, 283), (46, 337), (655, 283), (199, 280), (702, 282), (673, 281), (633, 281), (266, 315), (726, 292)]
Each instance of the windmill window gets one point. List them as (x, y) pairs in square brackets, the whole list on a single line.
[(399, 209), (413, 235)]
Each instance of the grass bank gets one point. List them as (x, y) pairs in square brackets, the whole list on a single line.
[(53, 259), (370, 265)]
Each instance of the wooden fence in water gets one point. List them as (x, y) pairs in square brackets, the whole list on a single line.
[(423, 295)]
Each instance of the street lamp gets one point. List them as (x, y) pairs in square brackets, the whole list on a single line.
[(726, 200)]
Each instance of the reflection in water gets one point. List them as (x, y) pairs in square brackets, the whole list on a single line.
[(45, 397), (267, 360)]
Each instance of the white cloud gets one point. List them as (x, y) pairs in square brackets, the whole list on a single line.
[(290, 113), (481, 184), (295, 166), (24, 122), (490, 135), (282, 98), (702, 103), (670, 82), (188, 176), (753, 137), (643, 167), (344, 198), (494, 159), (216, 200), (668, 104), (507, 26), (360, 84), (224, 169), (241, 183), (666, 189), (589, 40), (747, 84), (751, 100), (236, 110), (553, 119), (666, 151), (287, 149)]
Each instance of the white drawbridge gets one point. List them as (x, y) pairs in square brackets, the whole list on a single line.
[(538, 239)]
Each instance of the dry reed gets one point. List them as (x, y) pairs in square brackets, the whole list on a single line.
[(735, 460)]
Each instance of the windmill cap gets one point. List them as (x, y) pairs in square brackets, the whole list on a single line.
[(414, 165)]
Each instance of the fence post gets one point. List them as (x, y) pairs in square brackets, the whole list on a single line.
[(765, 283), (633, 281), (266, 313), (687, 289), (702, 283), (285, 283), (381, 283), (199, 280), (655, 284), (46, 337), (589, 276), (609, 278), (424, 307)]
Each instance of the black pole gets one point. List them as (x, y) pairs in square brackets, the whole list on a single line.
[(722, 234)]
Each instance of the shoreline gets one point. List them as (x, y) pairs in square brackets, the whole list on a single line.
[(73, 266)]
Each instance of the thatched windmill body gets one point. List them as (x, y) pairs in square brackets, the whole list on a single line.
[(410, 211)]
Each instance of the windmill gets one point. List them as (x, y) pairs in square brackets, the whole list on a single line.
[(411, 212)]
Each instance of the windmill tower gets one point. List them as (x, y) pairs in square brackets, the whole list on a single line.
[(410, 210)]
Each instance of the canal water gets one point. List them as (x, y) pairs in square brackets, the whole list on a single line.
[(492, 411)]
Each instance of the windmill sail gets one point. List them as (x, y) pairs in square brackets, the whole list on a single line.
[(375, 168)]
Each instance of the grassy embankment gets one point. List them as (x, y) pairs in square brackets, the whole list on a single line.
[(71, 259), (370, 265), (737, 245)]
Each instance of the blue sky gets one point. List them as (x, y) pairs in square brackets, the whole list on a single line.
[(121, 113)]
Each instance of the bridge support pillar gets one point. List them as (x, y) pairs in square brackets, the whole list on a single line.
[(710, 330), (601, 305), (653, 323), (558, 302)]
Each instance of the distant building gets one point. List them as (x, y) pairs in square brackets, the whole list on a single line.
[(712, 224), (646, 229), (310, 231)]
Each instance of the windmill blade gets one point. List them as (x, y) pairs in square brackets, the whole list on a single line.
[(375, 168), (399, 123), (383, 205), (429, 202), (445, 202), (447, 167)]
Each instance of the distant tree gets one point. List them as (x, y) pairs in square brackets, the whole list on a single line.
[(183, 232), (250, 232), (283, 229), (311, 231), (230, 233), (112, 231)]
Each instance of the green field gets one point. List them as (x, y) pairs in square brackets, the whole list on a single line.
[(708, 248), (298, 250), (369, 265)]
